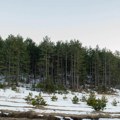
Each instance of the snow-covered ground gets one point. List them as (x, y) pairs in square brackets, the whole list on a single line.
[(12, 100)]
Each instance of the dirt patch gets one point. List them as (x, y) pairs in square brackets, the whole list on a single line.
[(8, 118), (30, 115), (13, 115)]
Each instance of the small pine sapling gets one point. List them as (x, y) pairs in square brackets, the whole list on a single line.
[(54, 98), (75, 100)]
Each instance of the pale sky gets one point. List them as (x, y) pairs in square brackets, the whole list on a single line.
[(90, 21)]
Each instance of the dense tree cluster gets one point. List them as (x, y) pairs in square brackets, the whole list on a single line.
[(63, 63)]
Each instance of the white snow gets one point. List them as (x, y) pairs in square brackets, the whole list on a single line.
[(12, 100), (69, 118), (109, 119), (61, 118)]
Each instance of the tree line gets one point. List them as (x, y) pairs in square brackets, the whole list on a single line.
[(62, 63)]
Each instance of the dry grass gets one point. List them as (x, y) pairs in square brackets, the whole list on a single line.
[(30, 115)]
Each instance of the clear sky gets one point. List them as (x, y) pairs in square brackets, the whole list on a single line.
[(91, 21)]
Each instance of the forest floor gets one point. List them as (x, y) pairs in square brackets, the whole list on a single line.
[(14, 101)]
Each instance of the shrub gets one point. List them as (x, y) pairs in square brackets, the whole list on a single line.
[(65, 91), (104, 99), (29, 98), (104, 89), (54, 98), (65, 97), (75, 100), (97, 104), (60, 92), (49, 87), (114, 102), (14, 88), (91, 99), (72, 93), (83, 99), (40, 85), (2, 86), (61, 88), (38, 100)]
